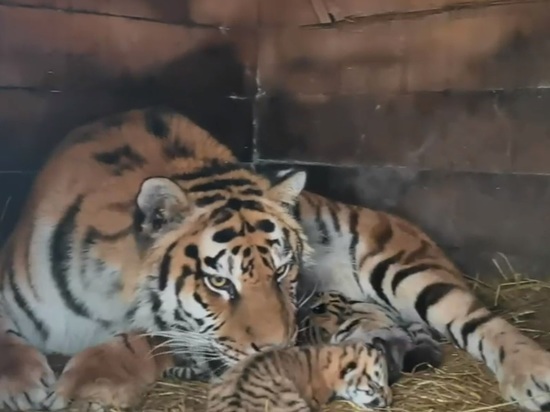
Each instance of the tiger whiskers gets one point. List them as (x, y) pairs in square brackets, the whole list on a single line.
[(307, 297)]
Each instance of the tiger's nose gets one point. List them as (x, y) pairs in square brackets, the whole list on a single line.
[(377, 403)]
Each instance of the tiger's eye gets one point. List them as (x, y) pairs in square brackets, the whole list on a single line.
[(281, 270), (218, 281), (319, 309)]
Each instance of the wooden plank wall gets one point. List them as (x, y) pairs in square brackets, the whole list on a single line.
[(434, 109)]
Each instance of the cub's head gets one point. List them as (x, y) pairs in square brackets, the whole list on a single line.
[(222, 251), (359, 374), (326, 312)]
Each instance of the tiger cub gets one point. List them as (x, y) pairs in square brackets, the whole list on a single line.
[(333, 318), (303, 379)]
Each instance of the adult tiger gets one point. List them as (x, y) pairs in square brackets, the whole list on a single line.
[(143, 221)]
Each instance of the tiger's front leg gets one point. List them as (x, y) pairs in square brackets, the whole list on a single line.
[(116, 373), (27, 381)]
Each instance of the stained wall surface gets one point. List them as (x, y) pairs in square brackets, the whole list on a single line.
[(437, 110)]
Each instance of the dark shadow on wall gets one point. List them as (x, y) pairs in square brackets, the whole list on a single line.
[(209, 86)]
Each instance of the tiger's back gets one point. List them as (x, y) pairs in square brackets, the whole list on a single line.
[(303, 379)]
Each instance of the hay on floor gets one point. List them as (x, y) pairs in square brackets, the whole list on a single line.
[(460, 385)]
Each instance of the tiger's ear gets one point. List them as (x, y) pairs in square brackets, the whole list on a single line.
[(286, 186), (160, 206)]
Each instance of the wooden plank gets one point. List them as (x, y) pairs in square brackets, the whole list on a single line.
[(60, 51), (476, 217), (500, 47), (475, 131), (168, 11), (303, 12), (267, 13), (32, 123)]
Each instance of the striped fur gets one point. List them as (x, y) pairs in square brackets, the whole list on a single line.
[(371, 255), (144, 222), (303, 379), (332, 318)]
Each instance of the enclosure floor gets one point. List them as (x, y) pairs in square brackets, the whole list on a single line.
[(461, 384)]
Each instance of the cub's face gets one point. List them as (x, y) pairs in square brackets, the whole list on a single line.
[(222, 266), (363, 376), (325, 314)]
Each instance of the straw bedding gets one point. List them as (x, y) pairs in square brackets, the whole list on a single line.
[(462, 384)]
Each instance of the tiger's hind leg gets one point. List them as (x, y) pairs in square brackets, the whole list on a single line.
[(395, 263), (114, 374), (26, 380), (434, 296)]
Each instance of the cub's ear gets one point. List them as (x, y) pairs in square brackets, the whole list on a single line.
[(160, 206), (286, 186)]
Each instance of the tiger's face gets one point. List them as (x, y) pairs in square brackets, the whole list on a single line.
[(223, 265), (362, 376)]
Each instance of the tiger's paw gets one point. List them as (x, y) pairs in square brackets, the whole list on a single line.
[(26, 379), (525, 378), (116, 374)]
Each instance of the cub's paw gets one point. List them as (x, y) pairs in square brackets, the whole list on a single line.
[(525, 378), (115, 374), (26, 379)]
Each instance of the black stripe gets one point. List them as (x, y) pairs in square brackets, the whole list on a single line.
[(220, 215), (208, 200), (61, 249), (480, 348), (199, 300), (430, 296), (501, 354), (212, 261), (451, 335), (28, 264), (176, 149), (212, 171), (381, 235), (352, 250), (418, 253), (22, 302), (14, 333), (352, 325), (334, 217), (265, 225), (403, 274), (156, 305), (250, 191), (297, 212), (379, 273), (471, 326), (252, 205), (224, 235), (321, 226), (542, 386), (121, 159), (126, 342), (164, 269), (93, 235), (220, 184), (155, 123)]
